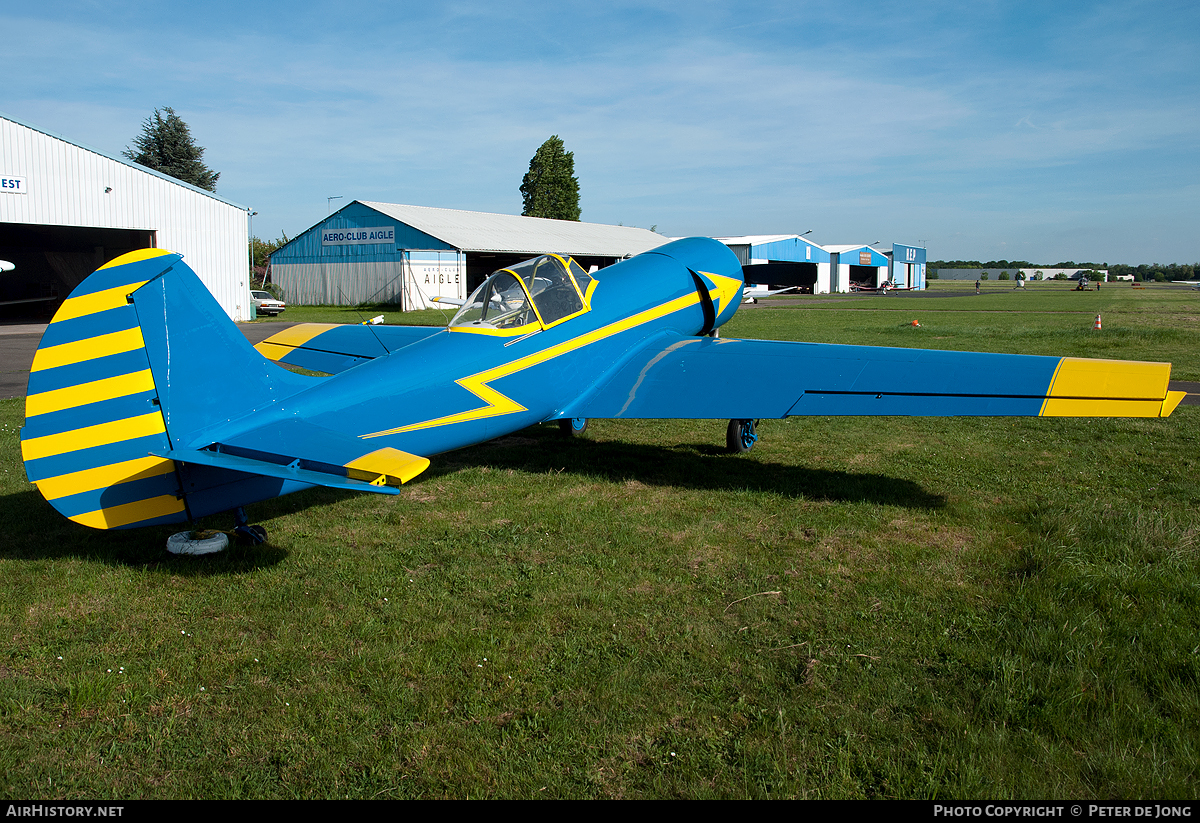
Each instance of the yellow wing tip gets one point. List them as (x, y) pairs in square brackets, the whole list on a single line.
[(1172, 400), (294, 337)]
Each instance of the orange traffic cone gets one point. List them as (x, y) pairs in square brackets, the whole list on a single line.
[(1096, 325), (915, 323)]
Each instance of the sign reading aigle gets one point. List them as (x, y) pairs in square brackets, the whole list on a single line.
[(358, 236)]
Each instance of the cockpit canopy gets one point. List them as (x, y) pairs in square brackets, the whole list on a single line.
[(535, 294)]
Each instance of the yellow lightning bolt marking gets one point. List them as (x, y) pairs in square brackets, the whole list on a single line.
[(500, 404)]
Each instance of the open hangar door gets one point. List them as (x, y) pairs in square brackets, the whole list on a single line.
[(481, 264), (50, 261), (864, 275), (781, 274)]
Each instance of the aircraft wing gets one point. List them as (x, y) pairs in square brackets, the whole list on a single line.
[(700, 377), (333, 348)]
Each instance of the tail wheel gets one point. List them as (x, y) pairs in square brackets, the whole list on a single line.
[(741, 435), (197, 542), (574, 426)]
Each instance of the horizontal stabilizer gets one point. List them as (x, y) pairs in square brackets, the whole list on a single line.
[(379, 472), (294, 450)]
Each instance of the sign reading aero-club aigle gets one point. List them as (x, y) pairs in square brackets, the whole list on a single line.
[(367, 235)]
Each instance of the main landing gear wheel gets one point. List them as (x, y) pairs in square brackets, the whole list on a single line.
[(251, 535), (573, 426), (741, 436)]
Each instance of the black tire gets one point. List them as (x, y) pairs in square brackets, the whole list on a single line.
[(257, 536), (740, 436), (573, 426)]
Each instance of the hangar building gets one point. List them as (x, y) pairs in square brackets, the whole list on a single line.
[(370, 252), (66, 209), (778, 260), (907, 266), (782, 260), (861, 265)]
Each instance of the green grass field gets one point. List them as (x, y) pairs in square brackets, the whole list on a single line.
[(882, 608)]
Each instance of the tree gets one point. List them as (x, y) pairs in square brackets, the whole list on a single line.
[(166, 145), (262, 249), (550, 188)]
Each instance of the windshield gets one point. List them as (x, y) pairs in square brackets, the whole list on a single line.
[(502, 303), (499, 303)]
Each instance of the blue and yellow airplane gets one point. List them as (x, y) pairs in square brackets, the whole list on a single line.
[(147, 406)]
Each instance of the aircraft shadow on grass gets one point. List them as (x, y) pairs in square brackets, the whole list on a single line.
[(693, 466), (35, 531)]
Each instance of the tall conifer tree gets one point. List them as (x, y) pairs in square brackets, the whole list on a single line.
[(166, 145), (550, 188)]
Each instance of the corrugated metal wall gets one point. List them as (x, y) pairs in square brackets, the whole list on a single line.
[(67, 187), (398, 278), (339, 282), (791, 249)]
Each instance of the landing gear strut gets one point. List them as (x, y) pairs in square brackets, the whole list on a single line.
[(741, 435), (246, 534)]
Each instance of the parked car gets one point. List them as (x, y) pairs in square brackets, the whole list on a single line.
[(264, 303)]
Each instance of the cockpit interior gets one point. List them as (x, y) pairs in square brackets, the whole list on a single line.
[(532, 295)]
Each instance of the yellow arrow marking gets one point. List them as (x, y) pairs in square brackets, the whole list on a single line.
[(725, 292)]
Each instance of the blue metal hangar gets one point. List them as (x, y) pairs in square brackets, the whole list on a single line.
[(66, 210), (779, 260), (370, 252)]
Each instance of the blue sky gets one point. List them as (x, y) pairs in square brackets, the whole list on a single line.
[(986, 130)]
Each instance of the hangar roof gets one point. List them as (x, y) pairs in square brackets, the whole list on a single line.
[(484, 232), (761, 239), (851, 247)]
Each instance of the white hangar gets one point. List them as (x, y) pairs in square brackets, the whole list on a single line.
[(66, 209)]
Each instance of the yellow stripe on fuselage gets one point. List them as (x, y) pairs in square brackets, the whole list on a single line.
[(89, 348), (499, 404), (71, 397), (89, 436), (123, 515), (102, 477), (104, 300)]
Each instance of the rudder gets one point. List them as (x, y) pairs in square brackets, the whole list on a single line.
[(92, 413)]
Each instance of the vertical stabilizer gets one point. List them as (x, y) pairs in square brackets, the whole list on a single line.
[(139, 359)]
